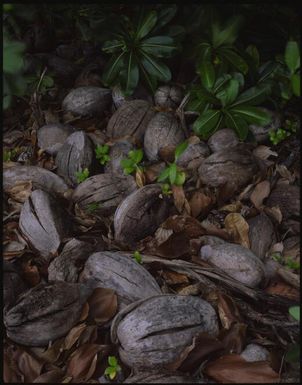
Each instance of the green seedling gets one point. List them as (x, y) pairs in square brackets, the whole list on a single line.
[(137, 256), (131, 164), (82, 175), (113, 368), (101, 153), (292, 264), (8, 155), (172, 174), (92, 207), (166, 190), (290, 127)]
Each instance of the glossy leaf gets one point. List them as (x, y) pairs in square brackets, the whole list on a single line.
[(163, 175), (113, 68), (229, 93), (234, 59), (207, 123), (112, 361), (238, 124), (180, 178), (227, 35), (253, 95), (12, 56), (150, 81), (294, 311), (207, 73), (295, 82), (292, 56), (161, 46), (180, 149), (172, 173), (253, 115), (156, 68), (147, 24), (130, 79), (113, 46)]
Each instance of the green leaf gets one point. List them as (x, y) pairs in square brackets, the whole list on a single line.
[(207, 74), (229, 93), (293, 354), (163, 175), (137, 256), (127, 163), (131, 79), (113, 68), (147, 24), (161, 46), (253, 96), (136, 155), (165, 15), (253, 115), (238, 124), (172, 173), (295, 82), (294, 311), (12, 56), (207, 123), (180, 178), (180, 149), (234, 59), (112, 361), (150, 80), (227, 35), (113, 46), (267, 70), (156, 68), (254, 54), (292, 56), (221, 82)]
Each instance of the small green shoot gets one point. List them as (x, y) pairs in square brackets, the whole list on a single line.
[(82, 175), (292, 264), (131, 163), (101, 153), (172, 173), (290, 127), (165, 188), (113, 368), (294, 311), (137, 256), (8, 155), (92, 207)]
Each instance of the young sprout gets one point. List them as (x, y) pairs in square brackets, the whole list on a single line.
[(137, 256), (82, 175), (131, 163), (101, 153), (113, 368)]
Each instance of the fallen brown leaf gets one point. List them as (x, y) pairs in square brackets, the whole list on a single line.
[(232, 368), (140, 178), (152, 172), (73, 336), (180, 200), (210, 229), (102, 305), (82, 362), (50, 355), (264, 152), (283, 289), (89, 335), (20, 191), (176, 246), (51, 377), (237, 226), (232, 207), (261, 191), (31, 273), (227, 310), (274, 213), (167, 153), (85, 312), (11, 372), (184, 223), (28, 365), (234, 338), (200, 204), (174, 278)]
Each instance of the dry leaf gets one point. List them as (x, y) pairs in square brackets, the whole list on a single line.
[(284, 290), (11, 372), (234, 338), (174, 278), (184, 223), (152, 172), (52, 354), (285, 173), (261, 191), (73, 336), (20, 191), (54, 376), (190, 290), (82, 362), (140, 178), (85, 312), (180, 359), (13, 249), (264, 152), (232, 207), (245, 194), (89, 335), (167, 153), (274, 213), (31, 273), (102, 305), (232, 368), (161, 235), (180, 200), (200, 204), (211, 229), (277, 248), (227, 310), (193, 139), (176, 246), (29, 366), (237, 226)]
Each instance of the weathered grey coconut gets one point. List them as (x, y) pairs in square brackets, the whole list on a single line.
[(118, 152), (87, 100), (223, 139), (193, 156), (40, 178), (108, 190), (254, 353), (140, 214), (13, 284), (261, 133), (211, 240), (162, 377), (67, 266), (121, 273), (118, 98), (287, 198), (235, 167), (236, 261), (152, 333), (163, 130), (131, 118), (44, 223), (45, 312), (52, 136), (261, 234), (168, 96), (75, 155)]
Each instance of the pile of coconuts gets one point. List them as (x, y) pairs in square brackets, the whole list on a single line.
[(152, 328)]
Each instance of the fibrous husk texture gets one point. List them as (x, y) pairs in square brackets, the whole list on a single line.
[(45, 312), (44, 223), (287, 198), (168, 96), (87, 100), (163, 130), (51, 137), (131, 118), (261, 234), (223, 139), (153, 332), (107, 190), (121, 273), (140, 214), (74, 156), (118, 152)]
